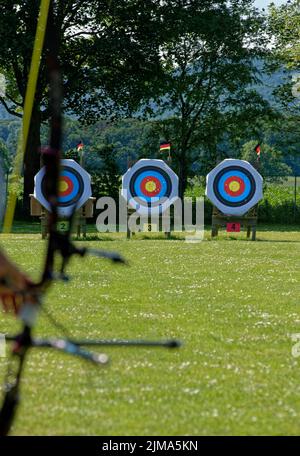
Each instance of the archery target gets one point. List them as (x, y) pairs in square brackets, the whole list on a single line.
[(74, 187), (234, 186), (150, 186)]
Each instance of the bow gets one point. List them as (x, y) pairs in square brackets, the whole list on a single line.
[(60, 244)]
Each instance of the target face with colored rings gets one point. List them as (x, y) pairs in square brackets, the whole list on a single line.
[(74, 187), (150, 186), (234, 186)]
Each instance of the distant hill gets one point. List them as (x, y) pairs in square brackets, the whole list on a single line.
[(4, 114), (270, 82)]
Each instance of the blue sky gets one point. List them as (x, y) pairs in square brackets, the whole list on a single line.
[(265, 3)]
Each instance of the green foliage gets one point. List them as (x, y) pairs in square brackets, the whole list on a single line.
[(72, 154), (284, 24), (9, 130), (271, 163), (130, 140), (109, 53), (107, 181), (192, 67), (15, 185), (284, 27), (4, 156), (208, 69), (277, 206)]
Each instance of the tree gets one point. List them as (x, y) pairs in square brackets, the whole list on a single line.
[(271, 163), (208, 68), (115, 35), (284, 28), (106, 182), (18, 21), (3, 172), (284, 25)]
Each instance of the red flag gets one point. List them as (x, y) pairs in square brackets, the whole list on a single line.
[(257, 150), (80, 146)]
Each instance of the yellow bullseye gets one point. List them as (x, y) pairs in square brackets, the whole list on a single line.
[(150, 186), (62, 186), (234, 186)]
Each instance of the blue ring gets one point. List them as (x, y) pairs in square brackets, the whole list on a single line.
[(226, 196), (74, 193), (149, 173)]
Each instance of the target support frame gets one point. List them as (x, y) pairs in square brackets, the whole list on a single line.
[(247, 221)]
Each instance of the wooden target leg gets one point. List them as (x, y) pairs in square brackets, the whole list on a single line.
[(84, 227), (248, 231), (44, 231), (44, 226), (214, 231), (254, 233)]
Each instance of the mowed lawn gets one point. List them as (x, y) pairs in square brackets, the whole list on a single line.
[(234, 304)]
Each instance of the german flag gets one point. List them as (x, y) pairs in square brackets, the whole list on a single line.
[(257, 150), (165, 147), (80, 146)]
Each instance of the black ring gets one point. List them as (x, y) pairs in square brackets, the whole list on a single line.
[(231, 203), (136, 175), (80, 190)]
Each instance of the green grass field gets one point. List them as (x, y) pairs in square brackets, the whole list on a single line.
[(233, 303)]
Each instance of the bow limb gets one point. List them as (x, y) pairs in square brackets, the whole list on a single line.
[(51, 155), (28, 107)]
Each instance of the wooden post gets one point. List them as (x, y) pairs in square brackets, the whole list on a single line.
[(44, 223)]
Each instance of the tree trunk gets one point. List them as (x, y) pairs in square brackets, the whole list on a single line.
[(2, 188), (182, 165), (31, 159)]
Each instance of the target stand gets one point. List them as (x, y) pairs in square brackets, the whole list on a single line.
[(162, 223), (150, 187), (248, 222), (235, 188), (80, 224)]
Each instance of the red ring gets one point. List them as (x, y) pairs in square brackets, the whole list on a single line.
[(231, 179), (148, 179), (69, 188)]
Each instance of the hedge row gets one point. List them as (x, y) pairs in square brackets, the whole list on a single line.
[(277, 206)]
